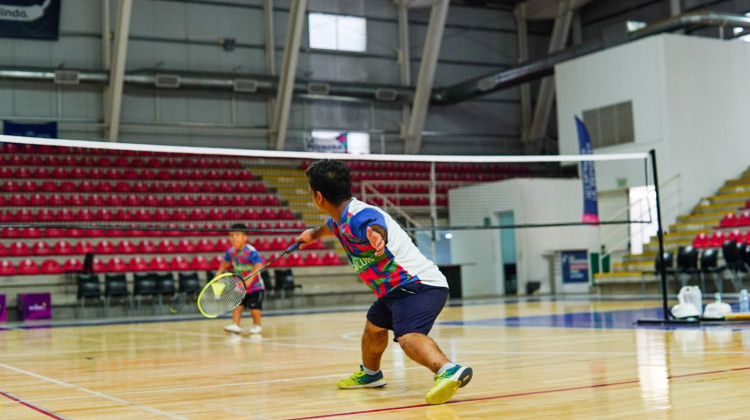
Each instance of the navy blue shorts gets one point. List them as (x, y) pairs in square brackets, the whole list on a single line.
[(411, 308), (254, 300)]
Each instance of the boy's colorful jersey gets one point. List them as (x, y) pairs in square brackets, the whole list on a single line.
[(242, 262), (401, 263)]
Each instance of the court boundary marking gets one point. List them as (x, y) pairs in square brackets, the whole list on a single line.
[(48, 413), (519, 394)]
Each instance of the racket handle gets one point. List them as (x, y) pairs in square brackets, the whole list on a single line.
[(293, 247)]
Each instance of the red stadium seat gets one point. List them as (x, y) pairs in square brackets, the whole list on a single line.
[(331, 258), (66, 186), (84, 215), (717, 239), (98, 266), (63, 248), (83, 247), (147, 247), (48, 186), (24, 215), (18, 249), (187, 201), (114, 200), (95, 200), (295, 260), (166, 247), (205, 245), (74, 232), (142, 215), (51, 267), (161, 215), (18, 200), (200, 263), (54, 232), (180, 263), (262, 244), (186, 246), (279, 243), (223, 244), (313, 258), (65, 215), (7, 268), (281, 262), (736, 235), (215, 214), (137, 263), (222, 201), (232, 214), (72, 264), (169, 201), (31, 232), (216, 262), (123, 215), (203, 200), (198, 214), (22, 172), (29, 186), (10, 186), (103, 187), (56, 200), (180, 215), (157, 188), (744, 219), (40, 248), (28, 267), (151, 201), (267, 214), (3, 250), (126, 247), (132, 200), (117, 265), (729, 220), (158, 263), (105, 247)]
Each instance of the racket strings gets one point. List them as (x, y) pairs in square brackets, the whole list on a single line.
[(223, 295)]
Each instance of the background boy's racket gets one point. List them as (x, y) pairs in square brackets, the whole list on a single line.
[(225, 292)]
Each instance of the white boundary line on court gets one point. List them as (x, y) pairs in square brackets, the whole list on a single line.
[(95, 393), (316, 156)]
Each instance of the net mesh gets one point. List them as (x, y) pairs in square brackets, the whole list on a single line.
[(148, 207)]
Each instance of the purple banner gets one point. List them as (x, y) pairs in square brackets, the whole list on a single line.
[(34, 306), (588, 176), (3, 311)]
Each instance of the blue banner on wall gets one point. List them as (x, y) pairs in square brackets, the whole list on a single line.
[(575, 266), (588, 176), (35, 19), (44, 130)]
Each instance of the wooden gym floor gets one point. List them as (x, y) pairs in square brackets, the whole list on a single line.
[(544, 358)]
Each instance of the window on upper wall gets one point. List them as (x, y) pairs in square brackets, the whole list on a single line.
[(336, 32)]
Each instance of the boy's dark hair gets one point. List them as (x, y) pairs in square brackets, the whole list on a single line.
[(239, 227), (332, 179)]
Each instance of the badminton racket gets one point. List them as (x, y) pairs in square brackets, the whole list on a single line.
[(226, 291)]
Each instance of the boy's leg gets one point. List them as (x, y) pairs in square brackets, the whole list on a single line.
[(255, 313), (374, 342), (234, 327), (423, 350)]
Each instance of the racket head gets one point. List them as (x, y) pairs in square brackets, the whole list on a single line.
[(221, 295)]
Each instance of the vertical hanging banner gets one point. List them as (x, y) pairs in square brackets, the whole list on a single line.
[(335, 143), (34, 19), (44, 130), (588, 176)]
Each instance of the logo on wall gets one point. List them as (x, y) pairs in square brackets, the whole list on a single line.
[(35, 19), (333, 144)]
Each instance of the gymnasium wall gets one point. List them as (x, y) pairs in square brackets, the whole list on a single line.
[(531, 200), (689, 105), (184, 35)]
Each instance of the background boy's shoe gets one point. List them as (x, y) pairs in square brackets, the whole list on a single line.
[(447, 383), (233, 328), (360, 379), (256, 329)]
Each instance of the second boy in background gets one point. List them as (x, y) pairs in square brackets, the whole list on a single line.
[(244, 259)]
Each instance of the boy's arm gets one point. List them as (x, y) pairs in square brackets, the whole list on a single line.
[(311, 235), (222, 268), (256, 267)]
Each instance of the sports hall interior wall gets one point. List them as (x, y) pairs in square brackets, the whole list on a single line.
[(688, 105)]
